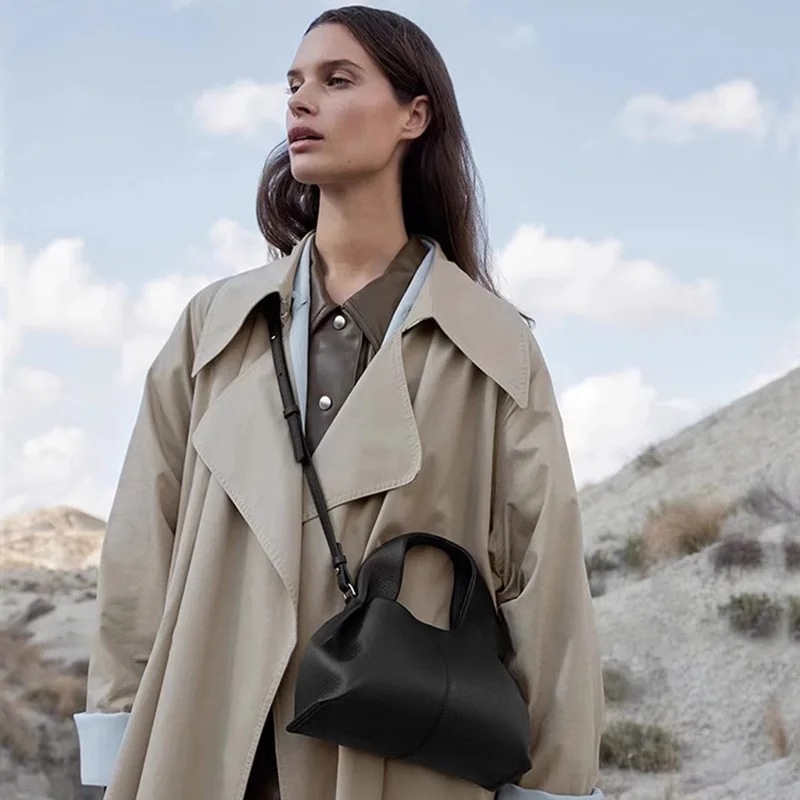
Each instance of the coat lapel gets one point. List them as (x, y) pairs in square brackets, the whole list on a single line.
[(242, 437), (373, 445)]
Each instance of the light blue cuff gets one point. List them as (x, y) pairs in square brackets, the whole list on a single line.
[(100, 737), (510, 792)]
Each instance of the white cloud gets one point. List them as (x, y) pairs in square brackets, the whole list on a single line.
[(235, 248), (610, 418), (231, 248), (155, 314), (163, 299), (55, 457), (55, 291), (53, 469), (244, 108), (732, 107), (84, 494), (137, 355), (557, 276), (25, 389), (9, 339), (87, 495)]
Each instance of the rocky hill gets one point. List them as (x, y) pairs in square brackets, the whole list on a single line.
[(694, 557), (693, 551), (51, 538)]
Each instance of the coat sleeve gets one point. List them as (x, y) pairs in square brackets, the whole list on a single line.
[(543, 594), (136, 552)]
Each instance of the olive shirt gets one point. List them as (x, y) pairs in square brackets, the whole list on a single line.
[(344, 338)]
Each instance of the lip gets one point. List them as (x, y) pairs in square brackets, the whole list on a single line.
[(301, 145), (296, 134)]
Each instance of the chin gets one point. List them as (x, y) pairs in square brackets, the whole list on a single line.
[(305, 170), (310, 169), (308, 178)]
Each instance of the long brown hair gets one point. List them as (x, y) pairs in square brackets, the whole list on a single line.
[(441, 189)]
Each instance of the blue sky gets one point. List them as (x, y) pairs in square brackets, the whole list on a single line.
[(642, 172)]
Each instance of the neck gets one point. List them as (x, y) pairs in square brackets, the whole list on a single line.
[(360, 229)]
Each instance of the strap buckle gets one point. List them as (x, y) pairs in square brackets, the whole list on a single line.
[(345, 583), (292, 410)]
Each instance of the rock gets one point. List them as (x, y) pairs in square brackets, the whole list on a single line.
[(60, 538)]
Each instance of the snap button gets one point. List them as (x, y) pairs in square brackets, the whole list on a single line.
[(339, 322), (325, 402)]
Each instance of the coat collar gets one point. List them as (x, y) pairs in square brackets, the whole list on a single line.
[(499, 346)]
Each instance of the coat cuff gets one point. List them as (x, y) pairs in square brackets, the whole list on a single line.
[(100, 738), (510, 792)]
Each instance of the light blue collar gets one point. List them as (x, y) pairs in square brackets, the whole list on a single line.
[(301, 309)]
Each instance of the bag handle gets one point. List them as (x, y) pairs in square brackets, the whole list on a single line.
[(470, 604), (291, 412)]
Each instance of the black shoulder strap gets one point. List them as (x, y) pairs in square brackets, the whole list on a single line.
[(291, 412)]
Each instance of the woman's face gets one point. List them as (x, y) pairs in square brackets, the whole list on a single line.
[(341, 95)]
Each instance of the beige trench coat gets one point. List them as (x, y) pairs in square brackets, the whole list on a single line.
[(215, 571)]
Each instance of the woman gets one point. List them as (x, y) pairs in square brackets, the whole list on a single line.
[(427, 406)]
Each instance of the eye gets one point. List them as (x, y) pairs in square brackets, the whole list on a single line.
[(335, 80)]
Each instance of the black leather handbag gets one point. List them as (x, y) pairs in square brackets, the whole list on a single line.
[(375, 678)]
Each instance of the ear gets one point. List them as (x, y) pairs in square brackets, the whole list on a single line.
[(418, 117)]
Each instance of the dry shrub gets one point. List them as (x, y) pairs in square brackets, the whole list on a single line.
[(17, 734), (600, 561), (649, 459), (37, 608), (18, 657), (738, 551), (647, 748), (57, 694), (794, 617), (756, 615), (765, 502), (632, 552), (598, 564), (616, 684), (791, 554), (682, 527), (597, 585), (776, 728), (80, 668), (49, 687)]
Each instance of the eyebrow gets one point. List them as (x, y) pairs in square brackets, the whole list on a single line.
[(333, 63)]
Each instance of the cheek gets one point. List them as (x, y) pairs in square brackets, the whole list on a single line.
[(365, 133)]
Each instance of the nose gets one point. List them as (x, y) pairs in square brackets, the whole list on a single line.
[(300, 102)]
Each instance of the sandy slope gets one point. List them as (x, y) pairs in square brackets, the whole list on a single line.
[(692, 675), (754, 440)]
